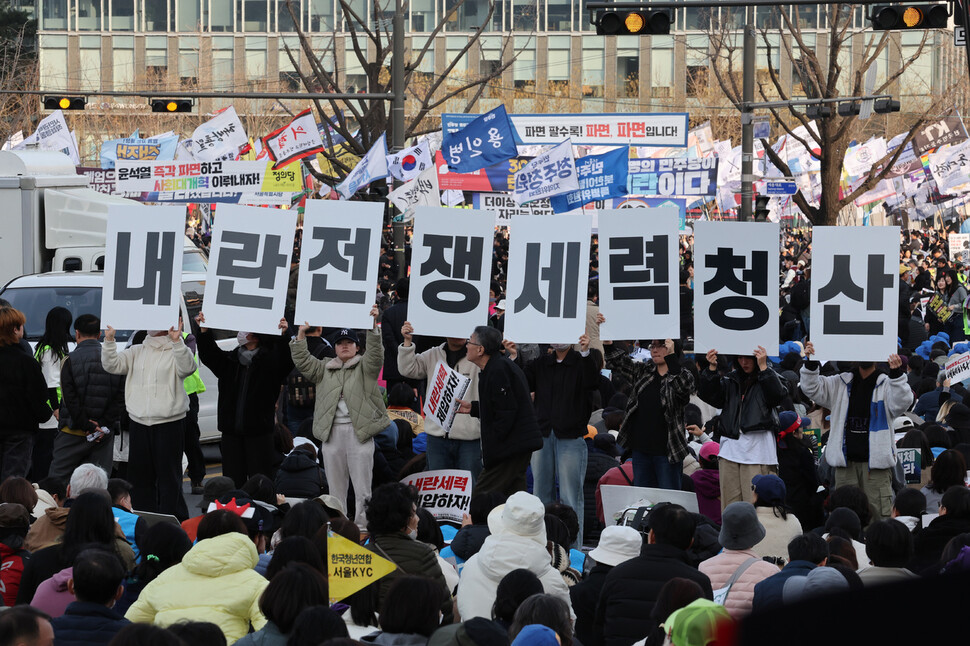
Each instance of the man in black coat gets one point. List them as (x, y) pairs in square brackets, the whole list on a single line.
[(250, 377), (91, 397), (625, 608), (561, 383), (510, 432)]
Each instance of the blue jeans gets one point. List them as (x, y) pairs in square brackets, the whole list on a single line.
[(656, 472), (449, 453), (565, 459)]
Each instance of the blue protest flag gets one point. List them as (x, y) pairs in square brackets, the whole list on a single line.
[(487, 140), (600, 177)]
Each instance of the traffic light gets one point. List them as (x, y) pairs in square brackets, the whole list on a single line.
[(885, 106), (171, 105), (64, 102), (761, 209), (818, 111), (909, 16), (638, 22)]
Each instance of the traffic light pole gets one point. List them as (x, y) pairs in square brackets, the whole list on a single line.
[(747, 122), (397, 119)]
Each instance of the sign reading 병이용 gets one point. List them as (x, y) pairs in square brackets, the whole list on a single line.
[(446, 493), (487, 140), (673, 176), (351, 567), (249, 267), (341, 243), (548, 276), (736, 287), (450, 262), (854, 297), (958, 368), (445, 388), (143, 267), (639, 273)]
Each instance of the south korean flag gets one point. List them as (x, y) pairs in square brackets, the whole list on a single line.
[(410, 162)]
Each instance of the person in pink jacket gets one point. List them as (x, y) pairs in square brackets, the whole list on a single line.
[(737, 569)]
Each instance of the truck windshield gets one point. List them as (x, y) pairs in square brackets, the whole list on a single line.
[(36, 302)]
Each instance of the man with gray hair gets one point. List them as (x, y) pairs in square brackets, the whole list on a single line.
[(510, 432), (49, 528)]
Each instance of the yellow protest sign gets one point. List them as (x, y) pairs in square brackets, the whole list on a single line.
[(351, 567), (288, 179), (343, 154)]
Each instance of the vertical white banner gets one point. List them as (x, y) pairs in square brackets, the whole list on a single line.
[(548, 278), (451, 261), (249, 268), (639, 273), (339, 263), (736, 287), (143, 267), (855, 292)]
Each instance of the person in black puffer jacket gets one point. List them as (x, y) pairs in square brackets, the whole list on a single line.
[(91, 397), (300, 475), (470, 538), (603, 456)]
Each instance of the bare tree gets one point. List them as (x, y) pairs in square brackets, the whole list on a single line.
[(427, 93), (825, 76)]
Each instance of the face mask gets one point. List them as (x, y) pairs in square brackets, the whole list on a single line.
[(559, 347), (241, 338), (413, 533)]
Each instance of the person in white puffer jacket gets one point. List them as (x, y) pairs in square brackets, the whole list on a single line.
[(157, 404), (517, 541)]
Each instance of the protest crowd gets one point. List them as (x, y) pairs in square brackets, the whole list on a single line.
[(809, 524)]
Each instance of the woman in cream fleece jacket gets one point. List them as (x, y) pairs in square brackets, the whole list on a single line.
[(157, 403)]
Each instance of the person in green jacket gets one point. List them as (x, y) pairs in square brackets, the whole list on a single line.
[(349, 409)]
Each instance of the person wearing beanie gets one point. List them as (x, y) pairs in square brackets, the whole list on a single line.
[(738, 568), (796, 468), (860, 445), (780, 524), (707, 482)]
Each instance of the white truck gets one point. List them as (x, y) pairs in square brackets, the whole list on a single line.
[(52, 237)]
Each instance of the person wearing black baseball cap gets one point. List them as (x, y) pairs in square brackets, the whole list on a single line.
[(349, 409)]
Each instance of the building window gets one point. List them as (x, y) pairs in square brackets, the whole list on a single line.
[(524, 67), (769, 17), (321, 15), (593, 66), (559, 15), (422, 15), (627, 67), (54, 15), (53, 62), (189, 67), (661, 69), (468, 17), (491, 61), (220, 16), (359, 8), (524, 15), (189, 15), (697, 18), (697, 65), (156, 59), (123, 68), (255, 15), (355, 76), (284, 19), (122, 15), (89, 15), (801, 83), (807, 16), (256, 59), (557, 69), (156, 14), (459, 73), (90, 63)]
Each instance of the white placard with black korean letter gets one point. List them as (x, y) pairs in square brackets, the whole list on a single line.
[(736, 287), (143, 267), (639, 273), (855, 292), (451, 259), (548, 276), (338, 266), (249, 268)]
